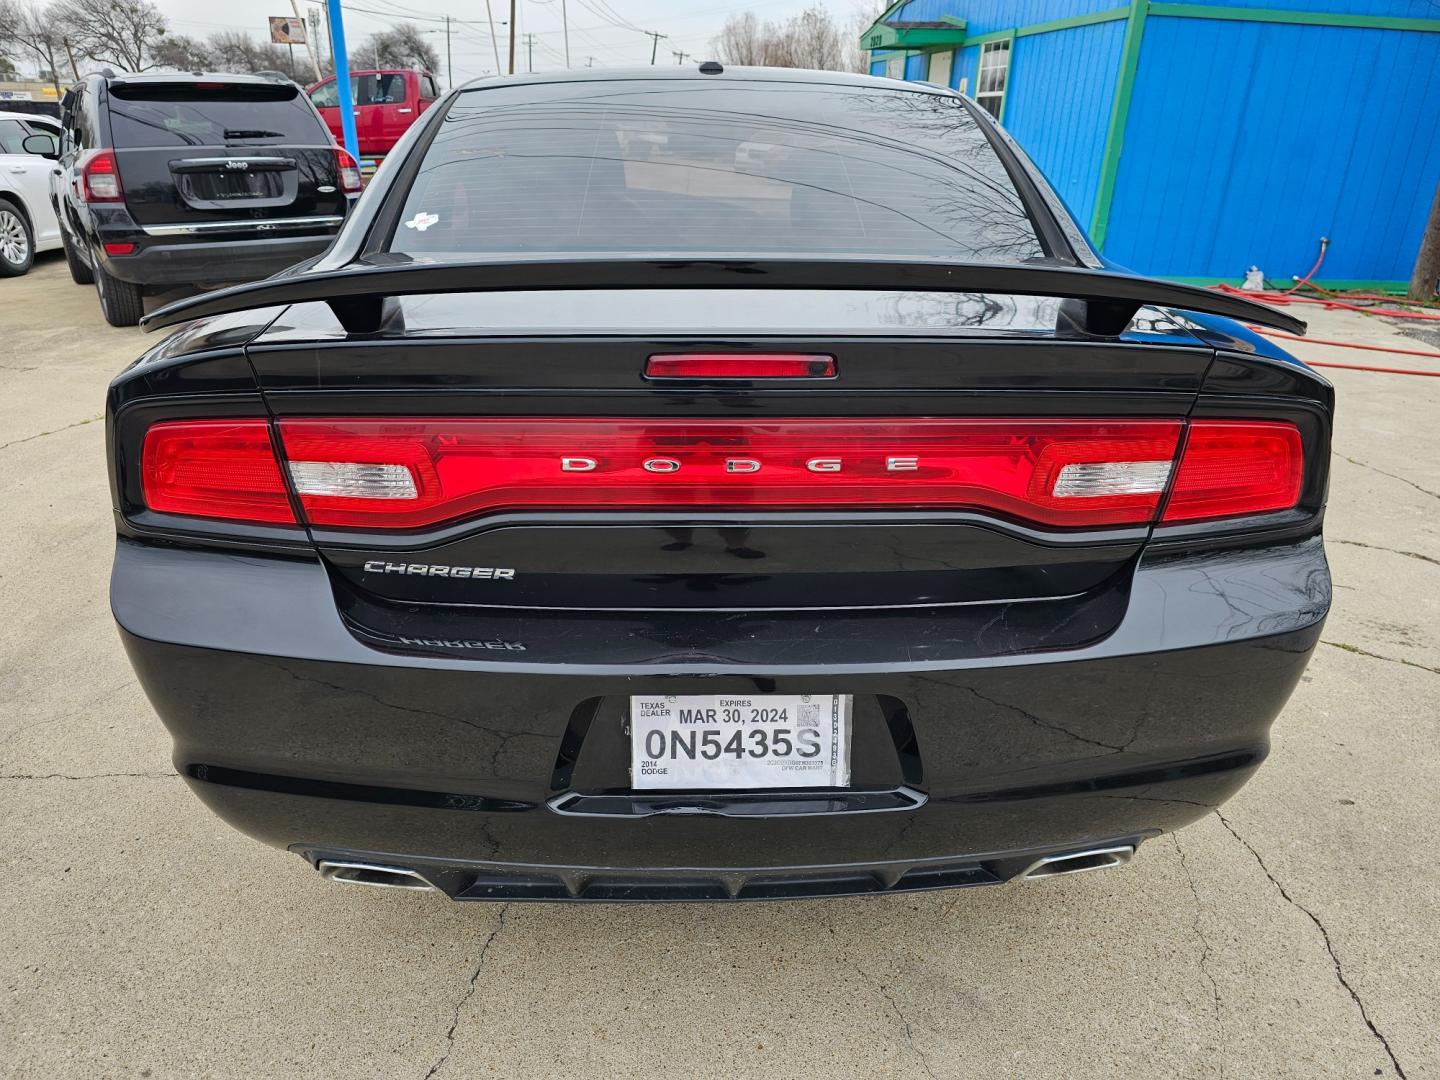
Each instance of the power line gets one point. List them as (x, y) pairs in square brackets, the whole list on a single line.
[(680, 56)]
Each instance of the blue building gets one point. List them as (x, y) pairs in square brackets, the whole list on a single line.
[(1194, 140)]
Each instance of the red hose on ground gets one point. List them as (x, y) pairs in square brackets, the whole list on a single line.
[(1282, 299), (1355, 345)]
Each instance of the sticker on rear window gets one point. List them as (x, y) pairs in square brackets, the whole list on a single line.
[(422, 221)]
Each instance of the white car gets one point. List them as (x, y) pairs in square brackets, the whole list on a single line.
[(27, 217)]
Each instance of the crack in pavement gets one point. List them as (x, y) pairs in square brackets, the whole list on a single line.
[(1393, 551), (469, 993), (1376, 656), (1204, 945), (909, 1033), (1393, 476), (88, 776), (42, 434), (1329, 945)]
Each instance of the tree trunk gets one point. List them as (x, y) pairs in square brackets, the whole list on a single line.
[(1425, 281)]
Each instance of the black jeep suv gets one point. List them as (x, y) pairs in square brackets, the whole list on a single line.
[(172, 181)]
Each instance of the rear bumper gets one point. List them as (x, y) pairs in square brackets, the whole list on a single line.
[(208, 263), (297, 733)]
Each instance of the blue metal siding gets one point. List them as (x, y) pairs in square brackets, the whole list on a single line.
[(986, 16), (1247, 142), (877, 67), (916, 66), (1058, 105), (1409, 9), (966, 63)]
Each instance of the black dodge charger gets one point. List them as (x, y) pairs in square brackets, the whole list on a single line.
[(715, 484)]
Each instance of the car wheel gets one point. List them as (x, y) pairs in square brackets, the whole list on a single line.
[(17, 248), (121, 302), (80, 271)]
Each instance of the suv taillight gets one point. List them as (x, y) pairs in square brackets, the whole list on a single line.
[(100, 179), (350, 182)]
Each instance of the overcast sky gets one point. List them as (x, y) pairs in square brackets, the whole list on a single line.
[(599, 29)]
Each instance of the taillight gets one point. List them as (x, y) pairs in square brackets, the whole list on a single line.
[(100, 178), (411, 473), (740, 366), (119, 248), (214, 469), (350, 182), (1233, 467)]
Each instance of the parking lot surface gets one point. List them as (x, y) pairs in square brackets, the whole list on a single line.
[(1294, 934)]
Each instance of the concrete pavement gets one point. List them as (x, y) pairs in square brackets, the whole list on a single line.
[(1295, 936)]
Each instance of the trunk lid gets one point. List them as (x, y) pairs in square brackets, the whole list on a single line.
[(902, 359)]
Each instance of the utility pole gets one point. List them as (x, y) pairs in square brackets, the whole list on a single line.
[(654, 43), (529, 52), (309, 44), (565, 25), (512, 37), (1425, 281), (680, 56), (449, 62), (494, 41), (74, 71), (589, 61)]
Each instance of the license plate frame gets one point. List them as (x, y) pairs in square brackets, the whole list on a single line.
[(691, 761)]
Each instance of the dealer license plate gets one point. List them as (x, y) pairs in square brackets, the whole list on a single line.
[(710, 743)]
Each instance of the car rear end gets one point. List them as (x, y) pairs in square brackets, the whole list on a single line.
[(586, 591), (211, 180)]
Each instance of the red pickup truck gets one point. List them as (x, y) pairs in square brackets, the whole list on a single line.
[(387, 102)]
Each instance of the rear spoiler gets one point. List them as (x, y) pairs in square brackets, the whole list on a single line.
[(1097, 303)]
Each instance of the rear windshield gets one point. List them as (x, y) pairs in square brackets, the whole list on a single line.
[(694, 166), (215, 115)]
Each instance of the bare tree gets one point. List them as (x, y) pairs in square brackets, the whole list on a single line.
[(234, 50), (177, 52), (119, 32), (811, 39), (402, 46), (742, 40), (36, 30)]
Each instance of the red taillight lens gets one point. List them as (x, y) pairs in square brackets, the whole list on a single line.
[(101, 178), (214, 469), (350, 181), (410, 473), (749, 366), (113, 248), (1233, 467)]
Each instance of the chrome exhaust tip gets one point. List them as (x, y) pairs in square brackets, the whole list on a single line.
[(378, 877), (1078, 862)]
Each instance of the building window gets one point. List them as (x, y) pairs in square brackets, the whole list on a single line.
[(993, 75), (895, 67), (940, 65)]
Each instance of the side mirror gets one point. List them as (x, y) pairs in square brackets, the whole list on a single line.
[(44, 146)]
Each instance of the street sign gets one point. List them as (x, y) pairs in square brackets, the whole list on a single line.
[(287, 30)]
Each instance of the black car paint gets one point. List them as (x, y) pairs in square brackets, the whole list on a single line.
[(152, 198), (338, 715)]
